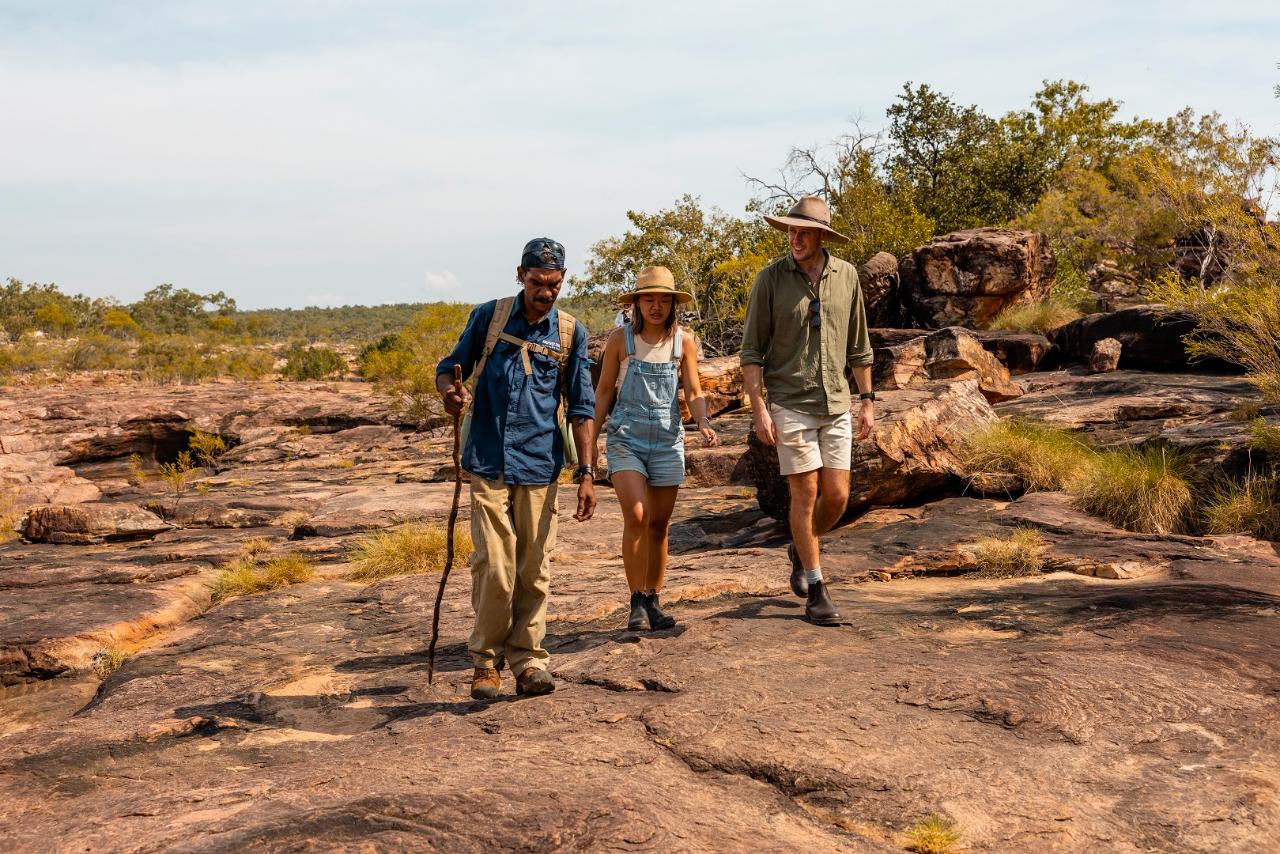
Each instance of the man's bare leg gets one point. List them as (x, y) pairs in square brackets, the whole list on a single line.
[(818, 500), (813, 513)]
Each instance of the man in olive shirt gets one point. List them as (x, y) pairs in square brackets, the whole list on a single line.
[(806, 332)]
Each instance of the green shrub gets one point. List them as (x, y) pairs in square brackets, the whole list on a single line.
[(1144, 490), (1249, 507), (98, 353), (312, 363), (172, 358), (119, 323), (1018, 554), (414, 548), (404, 369), (206, 447), (243, 363)]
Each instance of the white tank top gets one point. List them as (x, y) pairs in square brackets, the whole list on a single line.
[(663, 351)]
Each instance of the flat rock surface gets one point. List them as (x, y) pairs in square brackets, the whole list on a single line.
[(1064, 712)]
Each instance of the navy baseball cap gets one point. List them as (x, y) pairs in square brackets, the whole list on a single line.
[(542, 253)]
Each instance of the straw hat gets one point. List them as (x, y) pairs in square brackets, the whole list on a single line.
[(809, 212), (655, 280)]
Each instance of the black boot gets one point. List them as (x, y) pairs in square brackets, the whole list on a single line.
[(819, 609), (799, 584), (635, 623), (658, 618)]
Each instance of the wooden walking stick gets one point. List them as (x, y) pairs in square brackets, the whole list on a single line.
[(453, 521)]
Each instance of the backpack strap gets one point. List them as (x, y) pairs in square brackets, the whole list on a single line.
[(568, 324), (501, 314)]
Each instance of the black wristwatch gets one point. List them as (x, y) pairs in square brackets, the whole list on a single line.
[(867, 395), (584, 471)]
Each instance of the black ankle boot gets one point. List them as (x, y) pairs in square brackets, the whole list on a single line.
[(799, 584), (819, 609), (635, 623), (658, 618)]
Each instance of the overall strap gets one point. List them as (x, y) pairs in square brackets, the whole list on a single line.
[(675, 347), (630, 339)]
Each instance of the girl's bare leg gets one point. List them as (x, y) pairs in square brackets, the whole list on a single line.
[(661, 501), (630, 487)]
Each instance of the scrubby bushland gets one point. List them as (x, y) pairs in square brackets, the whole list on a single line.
[(403, 365), (1067, 165), (312, 363)]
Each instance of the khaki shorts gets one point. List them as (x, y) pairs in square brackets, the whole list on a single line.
[(810, 442)]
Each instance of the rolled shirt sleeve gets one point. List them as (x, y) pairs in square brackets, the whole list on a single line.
[(578, 390), (755, 332), (859, 343)]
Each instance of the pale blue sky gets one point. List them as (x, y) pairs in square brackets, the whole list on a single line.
[(295, 152)]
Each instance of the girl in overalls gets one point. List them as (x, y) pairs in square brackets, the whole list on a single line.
[(645, 444)]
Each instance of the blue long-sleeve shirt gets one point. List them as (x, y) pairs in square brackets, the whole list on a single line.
[(513, 432)]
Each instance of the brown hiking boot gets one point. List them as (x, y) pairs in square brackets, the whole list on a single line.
[(485, 683), (534, 680)]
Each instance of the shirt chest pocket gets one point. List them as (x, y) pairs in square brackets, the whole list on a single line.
[(530, 397)]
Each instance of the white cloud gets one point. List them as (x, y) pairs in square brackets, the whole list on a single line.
[(445, 283)]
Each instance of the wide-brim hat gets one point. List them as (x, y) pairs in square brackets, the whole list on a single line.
[(809, 212), (655, 280)]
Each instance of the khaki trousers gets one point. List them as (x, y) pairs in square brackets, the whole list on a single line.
[(513, 529)]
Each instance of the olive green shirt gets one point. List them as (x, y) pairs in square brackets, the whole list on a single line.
[(804, 366)]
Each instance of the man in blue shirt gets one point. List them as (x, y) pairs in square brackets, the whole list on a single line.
[(514, 452)]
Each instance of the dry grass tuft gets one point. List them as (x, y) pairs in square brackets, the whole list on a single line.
[(137, 470), (1019, 554), (246, 575), (932, 835), (1249, 507), (291, 519), (9, 516), (1044, 458), (255, 546), (1246, 410), (1041, 317), (1144, 490), (109, 661), (1264, 437), (413, 548)]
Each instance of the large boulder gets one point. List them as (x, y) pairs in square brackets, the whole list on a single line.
[(968, 277), (1020, 352), (954, 353), (912, 452), (89, 523), (948, 354), (880, 290), (1150, 339)]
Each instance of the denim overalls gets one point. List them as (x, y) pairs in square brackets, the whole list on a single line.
[(645, 432)]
